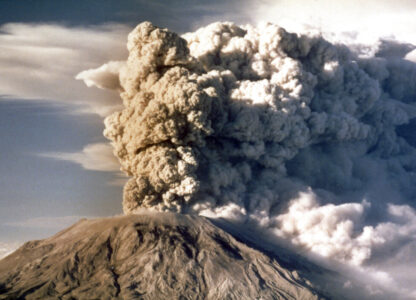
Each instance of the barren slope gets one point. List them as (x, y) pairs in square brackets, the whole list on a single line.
[(148, 256)]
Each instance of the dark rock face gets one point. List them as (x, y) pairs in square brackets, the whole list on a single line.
[(147, 256)]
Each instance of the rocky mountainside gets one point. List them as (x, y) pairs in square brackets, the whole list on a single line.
[(147, 256)]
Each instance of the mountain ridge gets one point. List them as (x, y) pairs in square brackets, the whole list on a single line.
[(147, 256)]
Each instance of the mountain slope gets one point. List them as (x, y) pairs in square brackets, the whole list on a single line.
[(147, 256)]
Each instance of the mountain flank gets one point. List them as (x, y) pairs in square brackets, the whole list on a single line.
[(146, 256)]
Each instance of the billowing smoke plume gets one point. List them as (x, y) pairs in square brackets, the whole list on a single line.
[(258, 123)]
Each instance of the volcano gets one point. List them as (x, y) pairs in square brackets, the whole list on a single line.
[(147, 256)]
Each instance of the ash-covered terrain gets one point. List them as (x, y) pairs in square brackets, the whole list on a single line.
[(147, 256)]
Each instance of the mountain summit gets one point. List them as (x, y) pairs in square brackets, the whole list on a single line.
[(147, 256)]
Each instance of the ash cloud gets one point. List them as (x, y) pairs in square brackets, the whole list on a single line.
[(105, 77), (311, 140)]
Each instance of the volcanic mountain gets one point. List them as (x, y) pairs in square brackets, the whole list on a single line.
[(147, 256)]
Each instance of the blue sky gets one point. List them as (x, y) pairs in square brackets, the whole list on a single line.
[(38, 187), (179, 15)]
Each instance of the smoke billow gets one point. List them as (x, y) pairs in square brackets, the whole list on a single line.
[(258, 123)]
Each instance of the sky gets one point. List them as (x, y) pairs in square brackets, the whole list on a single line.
[(56, 166)]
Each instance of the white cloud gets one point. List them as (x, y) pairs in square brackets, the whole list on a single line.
[(120, 180), (7, 248), (411, 56), (383, 253), (328, 230), (370, 19), (95, 157), (337, 231), (57, 223), (40, 62)]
